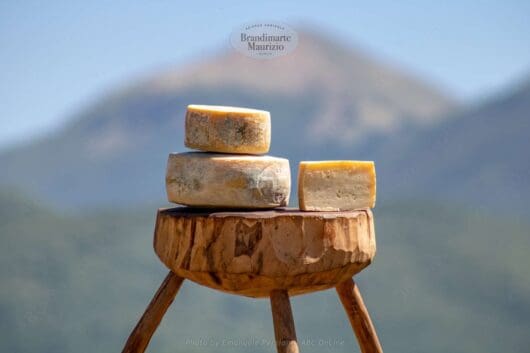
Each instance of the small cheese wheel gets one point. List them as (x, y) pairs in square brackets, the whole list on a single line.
[(234, 181), (227, 129), (336, 185)]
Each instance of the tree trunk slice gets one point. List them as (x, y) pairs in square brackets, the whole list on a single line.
[(145, 328), (359, 318), (282, 318), (251, 253)]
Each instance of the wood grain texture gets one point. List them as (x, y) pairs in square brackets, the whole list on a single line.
[(145, 328), (360, 321), (252, 253), (282, 318)]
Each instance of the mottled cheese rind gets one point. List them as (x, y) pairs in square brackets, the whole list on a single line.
[(234, 181), (227, 129), (336, 185)]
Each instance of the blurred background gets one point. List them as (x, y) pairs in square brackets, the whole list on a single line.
[(92, 100)]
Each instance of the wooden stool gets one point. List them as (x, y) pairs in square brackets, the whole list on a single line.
[(273, 253)]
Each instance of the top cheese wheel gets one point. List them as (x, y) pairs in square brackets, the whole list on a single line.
[(212, 128)]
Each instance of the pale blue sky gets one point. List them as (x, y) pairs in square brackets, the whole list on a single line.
[(58, 56)]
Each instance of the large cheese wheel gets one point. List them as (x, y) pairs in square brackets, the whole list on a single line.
[(227, 129), (336, 185), (220, 180)]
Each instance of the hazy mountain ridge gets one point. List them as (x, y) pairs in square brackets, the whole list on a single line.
[(478, 157), (115, 151)]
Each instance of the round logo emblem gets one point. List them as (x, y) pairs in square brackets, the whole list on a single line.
[(264, 40)]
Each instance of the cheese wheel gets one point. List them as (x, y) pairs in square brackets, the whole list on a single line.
[(234, 181), (227, 129), (336, 185)]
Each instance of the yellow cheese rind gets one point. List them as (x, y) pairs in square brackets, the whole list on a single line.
[(233, 181), (227, 129), (336, 185)]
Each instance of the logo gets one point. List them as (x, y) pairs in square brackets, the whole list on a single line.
[(266, 40)]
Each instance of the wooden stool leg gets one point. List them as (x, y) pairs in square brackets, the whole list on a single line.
[(145, 328), (282, 318), (359, 318)]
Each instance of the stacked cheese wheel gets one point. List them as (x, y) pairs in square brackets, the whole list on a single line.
[(231, 170)]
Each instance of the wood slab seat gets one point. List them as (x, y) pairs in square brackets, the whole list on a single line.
[(274, 254), (252, 253)]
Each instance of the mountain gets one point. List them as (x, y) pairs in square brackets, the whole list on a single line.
[(444, 280), (337, 101), (478, 157)]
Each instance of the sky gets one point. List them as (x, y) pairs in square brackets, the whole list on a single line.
[(57, 57)]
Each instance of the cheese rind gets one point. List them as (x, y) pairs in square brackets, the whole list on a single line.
[(233, 181), (227, 129), (336, 185)]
